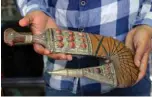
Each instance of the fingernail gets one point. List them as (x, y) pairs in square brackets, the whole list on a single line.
[(138, 63), (47, 52), (69, 58), (63, 57)]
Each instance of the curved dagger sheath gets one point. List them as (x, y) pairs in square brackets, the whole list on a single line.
[(120, 71)]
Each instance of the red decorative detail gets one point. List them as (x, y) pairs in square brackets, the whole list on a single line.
[(97, 70), (71, 33), (58, 31), (72, 45), (71, 38), (108, 68), (89, 70), (83, 45), (59, 38), (60, 44)]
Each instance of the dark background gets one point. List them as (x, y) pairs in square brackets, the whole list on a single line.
[(18, 61), (21, 66)]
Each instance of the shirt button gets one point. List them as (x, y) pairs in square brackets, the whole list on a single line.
[(83, 3)]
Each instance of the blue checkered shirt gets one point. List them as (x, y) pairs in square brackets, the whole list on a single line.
[(107, 17)]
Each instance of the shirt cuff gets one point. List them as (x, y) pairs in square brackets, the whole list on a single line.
[(147, 20), (27, 9)]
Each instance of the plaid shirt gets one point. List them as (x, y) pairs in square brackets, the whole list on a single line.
[(107, 17)]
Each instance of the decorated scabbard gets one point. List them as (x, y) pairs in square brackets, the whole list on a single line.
[(119, 70)]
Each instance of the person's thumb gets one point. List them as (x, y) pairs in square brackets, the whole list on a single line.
[(51, 24), (25, 21)]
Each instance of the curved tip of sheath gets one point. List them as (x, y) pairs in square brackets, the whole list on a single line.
[(62, 72), (67, 72)]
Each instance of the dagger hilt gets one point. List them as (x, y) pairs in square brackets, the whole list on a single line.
[(11, 37)]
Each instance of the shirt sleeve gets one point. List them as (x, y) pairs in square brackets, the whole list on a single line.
[(26, 6), (145, 14)]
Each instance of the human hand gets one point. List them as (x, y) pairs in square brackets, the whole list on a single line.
[(38, 22), (139, 41)]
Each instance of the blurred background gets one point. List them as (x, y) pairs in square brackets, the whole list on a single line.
[(21, 74)]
